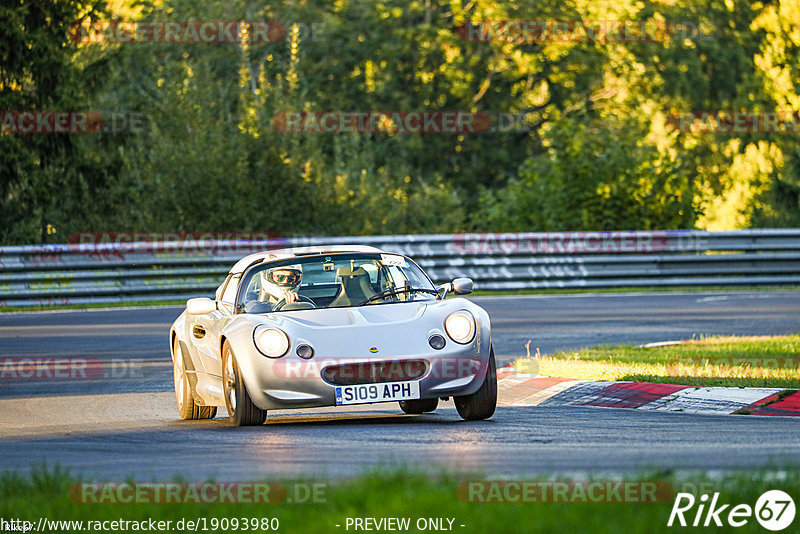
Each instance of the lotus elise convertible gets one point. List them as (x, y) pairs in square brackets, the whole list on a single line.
[(331, 326)]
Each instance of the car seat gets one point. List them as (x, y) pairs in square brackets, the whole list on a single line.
[(355, 287)]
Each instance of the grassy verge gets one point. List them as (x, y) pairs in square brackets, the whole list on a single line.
[(643, 289), (4, 309), (714, 361), (401, 494)]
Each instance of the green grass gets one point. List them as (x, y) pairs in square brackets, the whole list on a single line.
[(714, 361), (93, 306), (410, 494), (643, 289)]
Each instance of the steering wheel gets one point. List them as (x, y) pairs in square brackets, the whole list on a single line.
[(300, 298)]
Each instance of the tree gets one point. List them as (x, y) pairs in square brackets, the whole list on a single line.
[(45, 179)]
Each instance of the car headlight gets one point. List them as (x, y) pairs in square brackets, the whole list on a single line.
[(460, 326), (271, 342)]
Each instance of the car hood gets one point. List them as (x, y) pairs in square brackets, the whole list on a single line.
[(363, 315), (393, 329)]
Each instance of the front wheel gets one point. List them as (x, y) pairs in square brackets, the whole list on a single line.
[(187, 408), (242, 411), (481, 404)]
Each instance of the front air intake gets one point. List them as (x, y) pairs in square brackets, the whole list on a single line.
[(351, 374)]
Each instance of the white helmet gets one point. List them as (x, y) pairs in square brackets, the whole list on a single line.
[(278, 280)]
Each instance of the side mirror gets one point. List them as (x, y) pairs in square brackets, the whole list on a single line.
[(200, 306), (462, 286)]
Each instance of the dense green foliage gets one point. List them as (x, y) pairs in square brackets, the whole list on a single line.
[(593, 145)]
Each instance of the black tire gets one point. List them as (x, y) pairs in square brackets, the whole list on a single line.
[(241, 409), (481, 404), (188, 409), (419, 405)]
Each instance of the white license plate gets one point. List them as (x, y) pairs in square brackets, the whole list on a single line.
[(390, 391)]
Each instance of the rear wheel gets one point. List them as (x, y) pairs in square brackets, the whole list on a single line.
[(482, 403), (419, 406), (241, 409), (187, 408)]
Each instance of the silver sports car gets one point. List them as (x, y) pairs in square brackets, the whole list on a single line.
[(333, 326)]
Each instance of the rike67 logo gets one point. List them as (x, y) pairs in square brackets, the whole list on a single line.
[(774, 510)]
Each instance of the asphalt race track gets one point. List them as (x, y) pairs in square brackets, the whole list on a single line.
[(122, 422)]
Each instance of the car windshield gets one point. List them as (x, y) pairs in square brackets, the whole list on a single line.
[(333, 281)]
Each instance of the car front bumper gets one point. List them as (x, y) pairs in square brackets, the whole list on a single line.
[(292, 382)]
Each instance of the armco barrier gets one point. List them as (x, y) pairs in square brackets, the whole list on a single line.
[(134, 271)]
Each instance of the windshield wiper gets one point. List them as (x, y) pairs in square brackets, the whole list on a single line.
[(397, 291)]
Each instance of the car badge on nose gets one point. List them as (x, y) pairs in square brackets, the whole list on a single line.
[(373, 349)]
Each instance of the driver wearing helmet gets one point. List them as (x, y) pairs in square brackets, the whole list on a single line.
[(280, 284)]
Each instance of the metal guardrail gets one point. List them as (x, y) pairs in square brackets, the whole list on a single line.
[(136, 269)]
